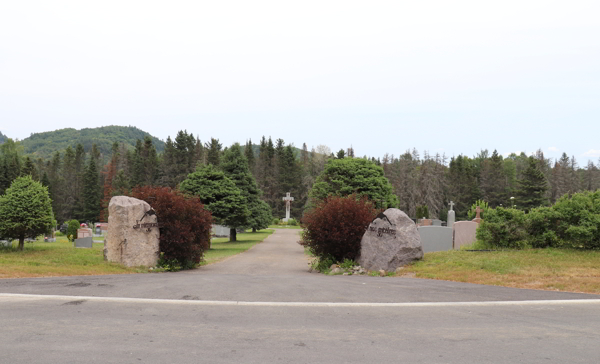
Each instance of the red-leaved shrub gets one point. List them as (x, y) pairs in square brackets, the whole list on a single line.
[(336, 225), (184, 224)]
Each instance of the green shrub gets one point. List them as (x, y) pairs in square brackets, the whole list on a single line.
[(72, 226), (578, 220), (323, 264), (276, 221), (541, 224), (292, 222), (503, 228)]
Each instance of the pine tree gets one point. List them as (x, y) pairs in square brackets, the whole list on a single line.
[(532, 187)]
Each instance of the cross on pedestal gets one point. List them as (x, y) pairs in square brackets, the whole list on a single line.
[(451, 206), (288, 201), (478, 211)]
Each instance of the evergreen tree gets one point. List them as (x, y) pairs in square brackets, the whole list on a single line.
[(92, 197), (235, 166), (494, 187), (343, 177), (463, 186), (213, 152), (249, 153), (29, 169), (168, 166), (220, 196), (532, 187), (25, 210)]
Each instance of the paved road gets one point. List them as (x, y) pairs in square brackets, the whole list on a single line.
[(263, 306)]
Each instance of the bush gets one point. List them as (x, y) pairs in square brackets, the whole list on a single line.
[(184, 225), (275, 221), (72, 226), (541, 224), (292, 222), (336, 225), (503, 228), (575, 220)]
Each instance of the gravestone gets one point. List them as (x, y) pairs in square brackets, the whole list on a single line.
[(425, 222), (220, 231), (288, 200), (132, 238), (451, 215), (478, 218), (464, 233), (83, 242), (435, 238), (436, 222), (84, 233), (391, 241)]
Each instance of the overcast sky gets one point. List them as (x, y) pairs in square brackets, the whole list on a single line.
[(383, 76)]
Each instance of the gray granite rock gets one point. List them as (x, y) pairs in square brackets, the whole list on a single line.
[(391, 241), (133, 236)]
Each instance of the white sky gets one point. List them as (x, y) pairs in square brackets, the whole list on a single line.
[(383, 76)]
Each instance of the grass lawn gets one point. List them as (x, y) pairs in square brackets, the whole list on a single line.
[(284, 227), (41, 259), (221, 248), (546, 269)]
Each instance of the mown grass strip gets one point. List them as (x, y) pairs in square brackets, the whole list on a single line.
[(545, 269), (41, 259), (221, 248)]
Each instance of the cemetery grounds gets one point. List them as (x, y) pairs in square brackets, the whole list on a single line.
[(41, 259)]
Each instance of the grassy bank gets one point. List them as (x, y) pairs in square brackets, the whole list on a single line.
[(41, 259), (546, 269)]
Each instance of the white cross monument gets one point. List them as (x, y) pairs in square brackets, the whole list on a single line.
[(288, 201), (451, 215)]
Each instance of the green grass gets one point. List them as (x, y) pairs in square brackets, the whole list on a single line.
[(221, 248), (284, 227), (40, 259), (547, 269)]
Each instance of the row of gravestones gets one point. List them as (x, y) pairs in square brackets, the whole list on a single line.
[(456, 234)]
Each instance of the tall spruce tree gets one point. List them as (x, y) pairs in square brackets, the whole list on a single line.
[(532, 187), (213, 152), (92, 194), (235, 166)]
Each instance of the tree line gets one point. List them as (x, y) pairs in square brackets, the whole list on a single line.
[(81, 183)]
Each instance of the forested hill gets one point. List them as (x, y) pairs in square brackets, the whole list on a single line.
[(43, 145)]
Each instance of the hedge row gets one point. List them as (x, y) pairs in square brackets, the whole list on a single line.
[(572, 222)]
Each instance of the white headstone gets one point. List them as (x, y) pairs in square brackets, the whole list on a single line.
[(288, 200), (451, 215)]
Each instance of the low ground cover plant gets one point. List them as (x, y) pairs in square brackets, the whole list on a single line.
[(334, 228)]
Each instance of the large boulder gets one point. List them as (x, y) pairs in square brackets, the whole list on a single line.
[(391, 241), (132, 238)]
